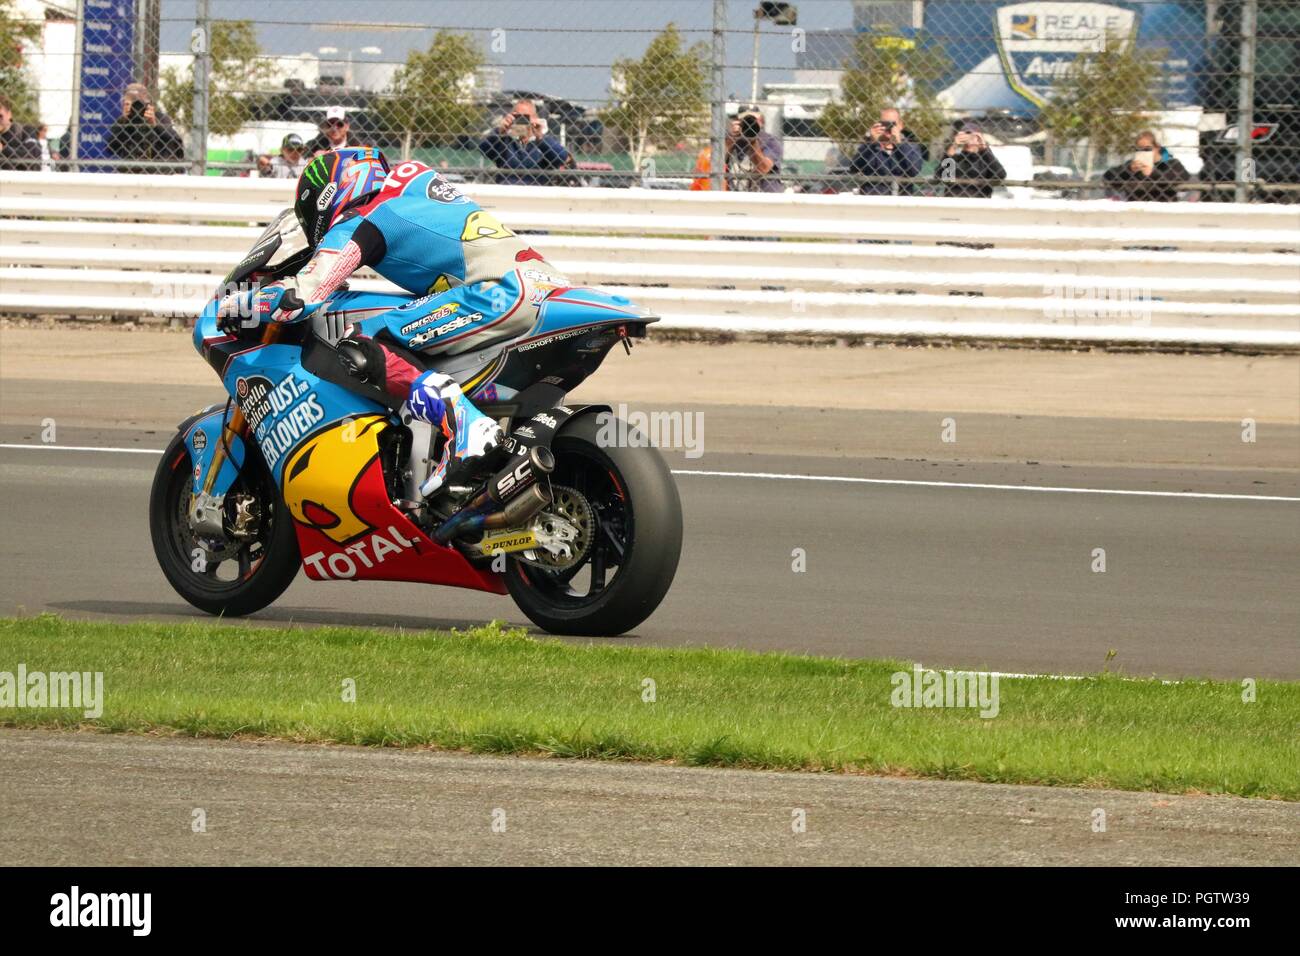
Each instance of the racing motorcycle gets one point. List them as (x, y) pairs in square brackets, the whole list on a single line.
[(304, 467)]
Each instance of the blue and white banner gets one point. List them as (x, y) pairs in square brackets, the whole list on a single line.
[(107, 40)]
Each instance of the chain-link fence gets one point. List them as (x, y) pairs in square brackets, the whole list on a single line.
[(1139, 99)]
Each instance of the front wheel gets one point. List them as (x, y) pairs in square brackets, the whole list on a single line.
[(624, 505), (230, 576)]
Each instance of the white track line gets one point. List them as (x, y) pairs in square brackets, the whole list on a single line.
[(778, 476), (960, 484), (120, 451)]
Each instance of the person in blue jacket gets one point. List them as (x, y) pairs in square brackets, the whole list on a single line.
[(478, 282), (521, 143), (887, 156)]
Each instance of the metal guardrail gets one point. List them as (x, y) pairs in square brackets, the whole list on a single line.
[(138, 245)]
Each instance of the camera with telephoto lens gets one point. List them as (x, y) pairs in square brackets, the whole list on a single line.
[(749, 127), (137, 109)]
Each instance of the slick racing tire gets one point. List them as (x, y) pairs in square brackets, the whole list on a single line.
[(631, 516), (225, 577)]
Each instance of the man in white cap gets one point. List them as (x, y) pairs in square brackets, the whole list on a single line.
[(335, 132)]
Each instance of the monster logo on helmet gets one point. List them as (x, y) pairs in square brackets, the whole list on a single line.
[(335, 182)]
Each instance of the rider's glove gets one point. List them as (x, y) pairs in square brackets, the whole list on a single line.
[(236, 312), (277, 302)]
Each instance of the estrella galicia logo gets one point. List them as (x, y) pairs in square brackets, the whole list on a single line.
[(254, 396), (442, 191)]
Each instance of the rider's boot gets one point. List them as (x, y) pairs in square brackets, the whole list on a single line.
[(467, 433)]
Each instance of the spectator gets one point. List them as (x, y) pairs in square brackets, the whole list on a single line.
[(335, 132), (289, 164), (47, 157), (520, 142), (756, 158), (753, 155), (1152, 175), (969, 170), (888, 155), (143, 133), (264, 169), (19, 147)]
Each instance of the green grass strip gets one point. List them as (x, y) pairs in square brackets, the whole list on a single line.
[(496, 690)]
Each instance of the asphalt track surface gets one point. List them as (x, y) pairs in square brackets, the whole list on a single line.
[(104, 800), (908, 558)]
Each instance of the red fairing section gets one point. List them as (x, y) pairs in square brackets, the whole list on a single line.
[(393, 550)]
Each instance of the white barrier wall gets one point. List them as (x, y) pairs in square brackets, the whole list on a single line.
[(86, 244)]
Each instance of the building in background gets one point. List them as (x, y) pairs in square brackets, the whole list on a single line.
[(51, 58)]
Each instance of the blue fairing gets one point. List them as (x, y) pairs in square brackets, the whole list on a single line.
[(571, 308), (284, 403)]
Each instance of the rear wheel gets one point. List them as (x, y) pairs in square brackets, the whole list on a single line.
[(230, 576), (624, 505)]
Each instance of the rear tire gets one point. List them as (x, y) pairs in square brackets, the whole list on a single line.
[(264, 565), (637, 508)]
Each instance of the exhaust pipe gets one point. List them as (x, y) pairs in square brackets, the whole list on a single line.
[(482, 515), (519, 510)]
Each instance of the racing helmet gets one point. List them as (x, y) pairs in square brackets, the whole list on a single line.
[(334, 182)]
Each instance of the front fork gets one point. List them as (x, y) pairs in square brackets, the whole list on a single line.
[(207, 510)]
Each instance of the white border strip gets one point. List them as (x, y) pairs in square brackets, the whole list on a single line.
[(778, 476)]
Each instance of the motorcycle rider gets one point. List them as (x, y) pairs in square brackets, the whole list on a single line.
[(478, 281)]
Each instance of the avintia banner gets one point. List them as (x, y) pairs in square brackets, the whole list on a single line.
[(1037, 42), (1010, 55)]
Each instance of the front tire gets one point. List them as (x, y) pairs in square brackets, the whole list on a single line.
[(227, 577), (636, 534)]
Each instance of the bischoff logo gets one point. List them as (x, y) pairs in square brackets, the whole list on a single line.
[(628, 429), (959, 689), (77, 690), (75, 908)]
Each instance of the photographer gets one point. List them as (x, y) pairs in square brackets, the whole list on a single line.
[(1152, 175), (520, 142), (144, 133), (969, 170), (887, 156), (753, 155)]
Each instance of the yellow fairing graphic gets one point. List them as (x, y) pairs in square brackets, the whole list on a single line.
[(320, 476), (483, 225)]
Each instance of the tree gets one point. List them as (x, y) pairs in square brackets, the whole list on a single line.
[(429, 102), (1104, 99), (662, 98), (15, 82), (883, 71), (239, 74)]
